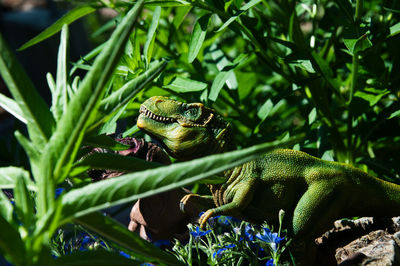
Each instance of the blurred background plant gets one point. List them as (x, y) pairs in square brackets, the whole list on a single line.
[(275, 69)]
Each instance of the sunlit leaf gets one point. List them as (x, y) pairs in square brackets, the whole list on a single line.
[(198, 36), (181, 84)]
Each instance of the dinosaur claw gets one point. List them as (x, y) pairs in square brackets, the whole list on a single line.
[(182, 206)]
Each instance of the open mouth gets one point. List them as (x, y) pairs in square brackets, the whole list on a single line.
[(146, 112)]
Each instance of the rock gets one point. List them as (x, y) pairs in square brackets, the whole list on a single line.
[(365, 241)]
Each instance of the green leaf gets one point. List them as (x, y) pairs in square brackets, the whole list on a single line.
[(130, 187), (60, 95), (111, 161), (126, 93), (6, 208), (9, 176), (12, 107), (106, 142), (240, 12), (151, 35), (93, 53), (198, 36), (180, 16), (357, 45), (181, 84), (68, 18), (94, 257), (23, 203), (11, 244), (218, 83), (119, 234), (35, 111), (312, 116), (371, 95), (395, 29), (395, 114), (167, 3), (265, 110), (66, 140)]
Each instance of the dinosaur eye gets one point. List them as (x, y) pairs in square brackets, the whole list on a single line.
[(191, 112)]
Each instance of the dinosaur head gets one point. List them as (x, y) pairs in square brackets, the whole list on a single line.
[(187, 131)]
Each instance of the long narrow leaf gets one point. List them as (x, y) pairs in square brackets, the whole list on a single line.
[(68, 18), (127, 188), (240, 12), (11, 243), (66, 140), (40, 121), (23, 203), (6, 208), (122, 96), (198, 36), (151, 35), (94, 257), (113, 162), (60, 96), (12, 107), (118, 233), (9, 176)]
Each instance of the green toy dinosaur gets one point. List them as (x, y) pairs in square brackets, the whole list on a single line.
[(312, 192)]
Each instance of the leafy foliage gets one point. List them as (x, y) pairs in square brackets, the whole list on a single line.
[(277, 70)]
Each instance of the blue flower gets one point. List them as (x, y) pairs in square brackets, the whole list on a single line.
[(199, 233), (59, 191), (270, 262), (271, 238), (124, 254), (162, 242), (249, 232), (220, 251)]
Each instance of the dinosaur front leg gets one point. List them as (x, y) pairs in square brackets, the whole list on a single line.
[(244, 193), (193, 204)]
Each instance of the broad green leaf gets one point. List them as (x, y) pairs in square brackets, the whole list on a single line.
[(312, 116), (35, 111), (395, 114), (130, 187), (357, 45), (23, 203), (106, 142), (240, 12), (372, 96), (265, 110), (151, 35), (180, 16), (12, 107), (94, 257), (126, 93), (395, 29), (6, 208), (198, 36), (67, 138), (60, 95), (180, 84), (111, 161), (218, 83), (9, 176), (68, 18), (11, 244), (167, 3), (119, 234)]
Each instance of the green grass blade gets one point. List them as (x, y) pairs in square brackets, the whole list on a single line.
[(198, 36), (23, 203), (68, 18), (12, 107), (127, 188), (35, 111), (151, 35), (66, 140), (119, 234)]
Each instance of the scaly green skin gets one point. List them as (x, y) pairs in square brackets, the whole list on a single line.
[(312, 192)]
